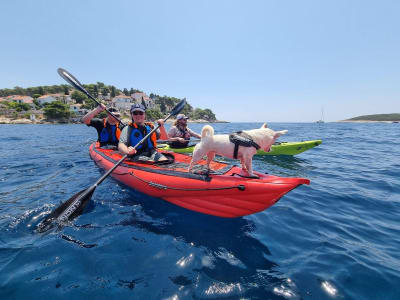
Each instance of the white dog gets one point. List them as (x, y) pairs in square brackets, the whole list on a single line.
[(220, 144)]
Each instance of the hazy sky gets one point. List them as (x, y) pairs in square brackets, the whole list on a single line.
[(245, 60)]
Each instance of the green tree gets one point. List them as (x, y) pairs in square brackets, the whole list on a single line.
[(105, 91), (205, 114), (188, 110), (37, 104), (19, 90), (18, 106), (144, 102), (113, 91), (163, 108), (89, 104), (57, 110), (41, 90), (79, 96), (126, 92), (209, 115), (95, 91), (66, 91), (153, 114)]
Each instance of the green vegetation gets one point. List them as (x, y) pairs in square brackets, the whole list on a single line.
[(154, 114), (18, 106), (79, 97), (164, 103), (380, 117), (57, 110)]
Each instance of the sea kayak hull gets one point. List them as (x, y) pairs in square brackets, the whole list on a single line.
[(224, 193), (284, 148)]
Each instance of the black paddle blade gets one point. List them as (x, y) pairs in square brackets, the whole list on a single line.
[(68, 210), (178, 108), (68, 77)]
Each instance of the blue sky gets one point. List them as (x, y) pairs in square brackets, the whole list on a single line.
[(273, 61)]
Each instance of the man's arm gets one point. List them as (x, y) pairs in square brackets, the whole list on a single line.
[(90, 115), (192, 133), (123, 140), (163, 132)]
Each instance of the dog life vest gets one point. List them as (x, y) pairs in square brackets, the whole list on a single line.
[(137, 133), (110, 133), (240, 138)]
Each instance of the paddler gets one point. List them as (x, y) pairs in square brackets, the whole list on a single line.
[(108, 129), (136, 131), (179, 134)]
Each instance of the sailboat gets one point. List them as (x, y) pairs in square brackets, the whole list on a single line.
[(322, 116)]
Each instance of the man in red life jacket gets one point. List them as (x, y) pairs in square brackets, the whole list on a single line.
[(108, 129), (136, 131)]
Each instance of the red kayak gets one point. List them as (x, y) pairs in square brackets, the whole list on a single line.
[(223, 192)]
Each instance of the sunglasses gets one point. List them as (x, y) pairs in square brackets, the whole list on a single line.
[(137, 112)]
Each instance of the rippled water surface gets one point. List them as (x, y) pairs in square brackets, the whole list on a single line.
[(338, 238)]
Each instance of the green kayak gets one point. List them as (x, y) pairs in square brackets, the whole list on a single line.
[(283, 148)]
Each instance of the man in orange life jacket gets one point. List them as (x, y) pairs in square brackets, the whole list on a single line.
[(136, 131), (108, 129)]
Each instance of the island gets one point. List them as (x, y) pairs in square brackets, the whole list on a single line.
[(385, 118)]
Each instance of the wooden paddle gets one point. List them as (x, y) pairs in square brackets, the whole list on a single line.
[(77, 203)]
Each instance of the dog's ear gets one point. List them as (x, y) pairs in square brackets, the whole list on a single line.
[(265, 125), (279, 133)]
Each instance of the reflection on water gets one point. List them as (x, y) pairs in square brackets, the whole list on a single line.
[(231, 256)]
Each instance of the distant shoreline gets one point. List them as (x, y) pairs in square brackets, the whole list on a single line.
[(42, 121), (365, 121)]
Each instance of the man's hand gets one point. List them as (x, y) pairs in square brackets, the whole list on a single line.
[(101, 107), (131, 151), (160, 122)]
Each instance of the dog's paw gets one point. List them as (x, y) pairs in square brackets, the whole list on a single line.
[(244, 172)]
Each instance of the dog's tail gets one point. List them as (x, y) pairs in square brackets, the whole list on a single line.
[(279, 133), (207, 131)]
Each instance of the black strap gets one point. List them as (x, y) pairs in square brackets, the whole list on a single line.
[(241, 138)]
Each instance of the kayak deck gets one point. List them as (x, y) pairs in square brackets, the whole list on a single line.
[(290, 148)]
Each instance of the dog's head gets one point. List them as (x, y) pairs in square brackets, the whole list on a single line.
[(265, 137)]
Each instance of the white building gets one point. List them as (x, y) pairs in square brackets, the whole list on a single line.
[(22, 99), (138, 99), (46, 99), (76, 108), (122, 102)]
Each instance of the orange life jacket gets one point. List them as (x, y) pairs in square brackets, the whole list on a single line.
[(117, 130)]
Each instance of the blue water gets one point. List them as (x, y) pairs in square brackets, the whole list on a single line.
[(338, 238)]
